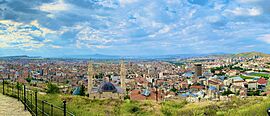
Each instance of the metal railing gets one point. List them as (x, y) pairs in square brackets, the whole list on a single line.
[(30, 100)]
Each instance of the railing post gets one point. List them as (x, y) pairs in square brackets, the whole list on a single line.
[(36, 110), (51, 110), (3, 87), (24, 96), (18, 90), (8, 91), (12, 91), (42, 108), (31, 101), (65, 107)]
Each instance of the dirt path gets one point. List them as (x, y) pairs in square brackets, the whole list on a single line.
[(11, 107)]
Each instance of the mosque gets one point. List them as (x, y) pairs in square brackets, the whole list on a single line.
[(106, 90)]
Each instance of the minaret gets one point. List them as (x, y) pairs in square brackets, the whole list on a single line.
[(123, 76), (90, 77)]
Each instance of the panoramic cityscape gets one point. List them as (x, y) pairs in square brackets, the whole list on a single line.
[(134, 57)]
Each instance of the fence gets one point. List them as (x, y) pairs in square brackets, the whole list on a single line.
[(30, 100)]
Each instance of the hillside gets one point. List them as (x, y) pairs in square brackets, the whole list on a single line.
[(83, 106), (251, 54)]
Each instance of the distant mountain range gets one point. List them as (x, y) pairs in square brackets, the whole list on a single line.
[(102, 56), (20, 57), (176, 56)]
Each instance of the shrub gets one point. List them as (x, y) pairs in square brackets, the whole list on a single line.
[(228, 92), (19, 86), (28, 79), (82, 91), (52, 88)]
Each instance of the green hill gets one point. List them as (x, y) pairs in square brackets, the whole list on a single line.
[(83, 106), (251, 54)]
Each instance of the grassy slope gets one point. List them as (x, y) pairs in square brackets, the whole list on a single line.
[(245, 54), (253, 108), (251, 54), (83, 106)]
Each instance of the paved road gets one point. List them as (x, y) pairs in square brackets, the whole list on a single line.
[(11, 107)]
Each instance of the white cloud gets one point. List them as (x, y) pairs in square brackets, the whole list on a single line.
[(219, 6), (23, 36), (98, 46), (248, 1), (92, 38), (163, 30), (90, 34), (250, 46), (3, 45), (213, 19), (254, 12), (107, 3), (57, 6), (55, 46), (264, 38), (51, 16), (239, 11), (126, 2)]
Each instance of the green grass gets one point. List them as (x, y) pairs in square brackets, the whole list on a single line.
[(83, 106), (170, 108), (252, 108), (246, 77), (267, 76)]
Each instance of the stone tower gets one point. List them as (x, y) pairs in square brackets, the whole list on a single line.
[(90, 77), (123, 76)]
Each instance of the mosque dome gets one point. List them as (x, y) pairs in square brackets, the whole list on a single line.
[(107, 87)]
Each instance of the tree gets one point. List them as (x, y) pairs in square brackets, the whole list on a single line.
[(19, 86), (52, 88), (174, 89), (82, 91), (28, 79), (228, 92)]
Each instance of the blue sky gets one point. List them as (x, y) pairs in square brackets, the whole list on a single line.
[(133, 27)]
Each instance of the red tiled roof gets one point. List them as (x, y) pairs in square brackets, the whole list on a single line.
[(184, 83), (135, 95), (196, 87), (212, 82), (265, 93), (140, 80), (238, 81), (262, 81)]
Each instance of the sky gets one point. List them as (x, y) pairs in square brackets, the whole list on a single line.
[(53, 28)]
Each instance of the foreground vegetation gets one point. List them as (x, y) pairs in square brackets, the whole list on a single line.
[(83, 106)]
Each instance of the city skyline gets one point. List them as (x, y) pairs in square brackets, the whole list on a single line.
[(127, 27)]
